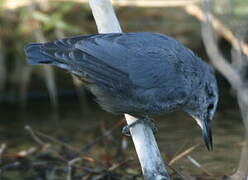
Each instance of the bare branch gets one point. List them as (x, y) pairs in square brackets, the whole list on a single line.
[(183, 154), (213, 51), (234, 77), (197, 164), (217, 58), (36, 138), (27, 152), (218, 26), (69, 168), (2, 148)]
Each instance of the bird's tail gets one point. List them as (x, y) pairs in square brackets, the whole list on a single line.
[(34, 55)]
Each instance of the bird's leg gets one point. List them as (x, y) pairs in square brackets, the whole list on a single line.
[(146, 120)]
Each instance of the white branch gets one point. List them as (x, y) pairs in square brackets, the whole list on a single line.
[(145, 144), (218, 26), (147, 150), (105, 17)]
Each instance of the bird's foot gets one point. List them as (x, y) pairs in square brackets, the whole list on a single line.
[(126, 129), (148, 121)]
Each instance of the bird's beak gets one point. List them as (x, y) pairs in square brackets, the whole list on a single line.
[(206, 132), (207, 135)]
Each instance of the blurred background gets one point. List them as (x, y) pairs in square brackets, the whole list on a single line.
[(47, 120)]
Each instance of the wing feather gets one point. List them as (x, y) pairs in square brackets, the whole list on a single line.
[(67, 56), (144, 71)]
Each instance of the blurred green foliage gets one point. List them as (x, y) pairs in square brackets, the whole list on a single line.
[(56, 20)]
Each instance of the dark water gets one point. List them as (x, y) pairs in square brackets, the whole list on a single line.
[(81, 125)]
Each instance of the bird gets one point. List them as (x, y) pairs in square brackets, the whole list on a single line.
[(143, 74)]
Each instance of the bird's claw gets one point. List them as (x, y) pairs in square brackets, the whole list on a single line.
[(126, 129), (148, 121)]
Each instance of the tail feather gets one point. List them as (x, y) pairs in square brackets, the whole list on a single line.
[(64, 54), (34, 55)]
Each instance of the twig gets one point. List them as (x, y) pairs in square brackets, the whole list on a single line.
[(180, 149), (216, 57), (218, 26), (57, 141), (105, 134), (240, 86), (34, 132), (43, 144), (193, 161), (70, 164), (242, 170), (242, 94), (36, 138), (40, 142), (27, 152), (2, 148), (184, 153), (115, 166)]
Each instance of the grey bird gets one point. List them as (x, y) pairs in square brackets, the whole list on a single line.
[(142, 74)]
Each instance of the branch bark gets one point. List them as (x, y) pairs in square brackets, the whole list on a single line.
[(144, 141), (217, 58), (218, 26), (212, 49), (234, 78)]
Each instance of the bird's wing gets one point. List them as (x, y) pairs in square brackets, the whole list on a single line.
[(107, 60), (147, 70), (65, 54)]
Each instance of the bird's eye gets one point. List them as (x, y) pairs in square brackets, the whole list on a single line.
[(210, 106)]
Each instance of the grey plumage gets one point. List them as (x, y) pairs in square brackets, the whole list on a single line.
[(141, 74)]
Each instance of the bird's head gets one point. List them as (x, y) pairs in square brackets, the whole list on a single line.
[(202, 107)]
